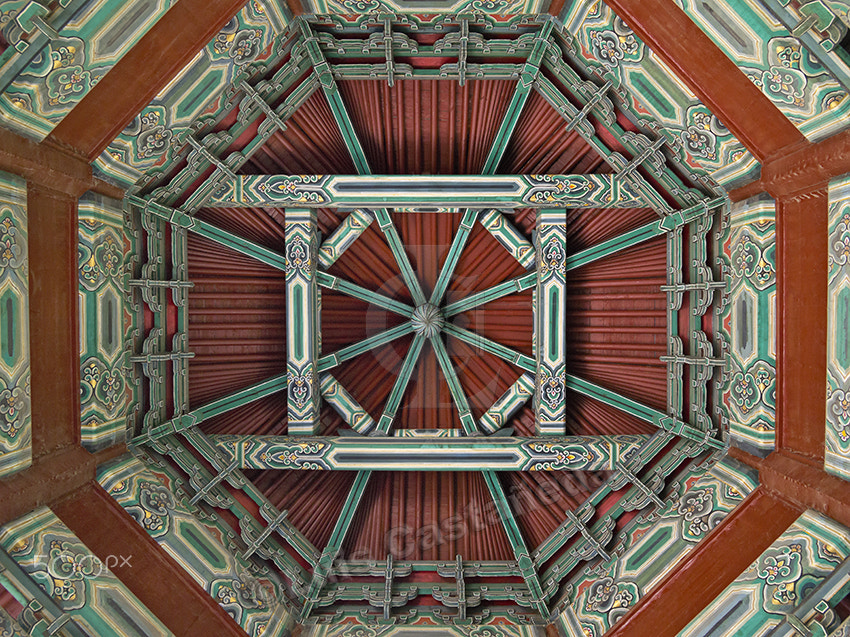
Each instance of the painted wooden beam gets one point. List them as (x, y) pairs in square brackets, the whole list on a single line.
[(387, 226), (214, 408), (511, 239), (332, 282), (352, 351), (513, 286), (508, 404), (458, 395), (647, 414), (420, 453), (302, 322), (400, 386), (398, 191), (180, 219), (705, 572), (521, 553), (482, 342), (343, 236), (710, 74), (643, 233), (550, 404), (458, 243), (345, 404), (143, 72), (108, 531), (325, 565)]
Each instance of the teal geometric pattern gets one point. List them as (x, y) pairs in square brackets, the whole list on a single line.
[(749, 325), (420, 620), (250, 593), (778, 63), (837, 452), (15, 418), (9, 627), (495, 7), (785, 575), (614, 52), (195, 96), (103, 321), (61, 73), (656, 546), (79, 583)]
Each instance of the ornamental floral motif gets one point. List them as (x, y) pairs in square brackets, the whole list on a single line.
[(780, 565), (13, 249), (14, 407), (839, 242), (838, 412), (297, 257)]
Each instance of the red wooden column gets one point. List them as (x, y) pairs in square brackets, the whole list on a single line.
[(802, 298), (707, 570), (152, 575)]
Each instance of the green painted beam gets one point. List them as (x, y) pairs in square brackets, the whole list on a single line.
[(482, 342), (325, 565), (180, 219), (511, 239), (523, 558), (514, 286), (400, 191), (351, 351), (345, 404), (458, 243), (458, 395), (343, 236), (387, 226), (527, 76), (507, 405), (403, 379), (331, 282), (211, 409), (434, 453), (647, 414), (644, 233)]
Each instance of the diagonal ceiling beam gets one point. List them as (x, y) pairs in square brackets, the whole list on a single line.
[(523, 558), (332, 282), (636, 409), (143, 72), (644, 233), (180, 219), (514, 286), (343, 523), (214, 408), (458, 395), (449, 265), (400, 191), (497, 349), (401, 383), (429, 453), (352, 351), (710, 74)]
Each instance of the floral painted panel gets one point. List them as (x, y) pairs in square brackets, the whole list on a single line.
[(778, 581), (423, 622), (837, 453), (60, 73), (77, 581), (15, 418), (783, 68), (655, 547), (621, 57), (104, 394), (749, 325), (197, 91), (254, 596)]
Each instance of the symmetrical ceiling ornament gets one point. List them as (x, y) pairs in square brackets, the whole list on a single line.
[(647, 171)]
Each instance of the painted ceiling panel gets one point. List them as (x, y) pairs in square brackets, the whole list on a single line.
[(793, 73), (423, 7), (612, 49), (61, 71)]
